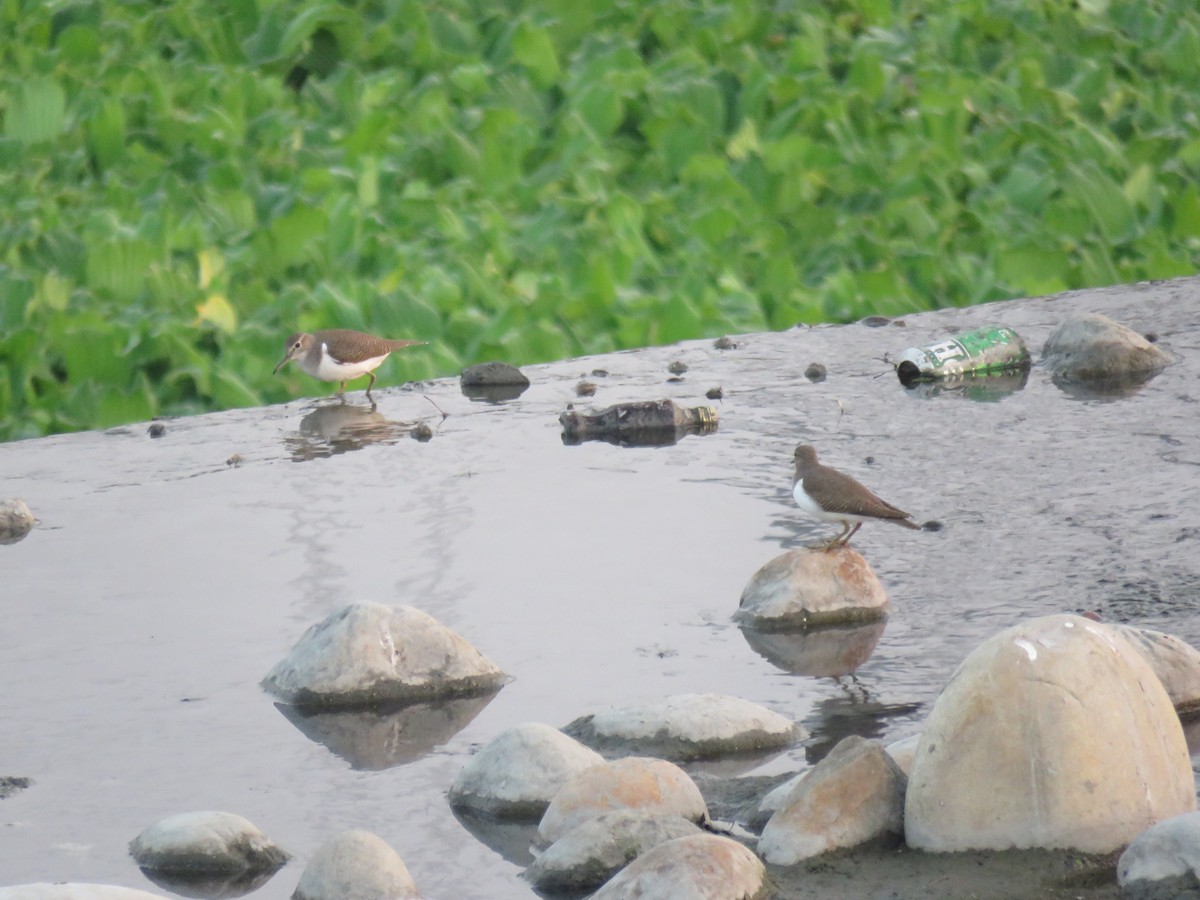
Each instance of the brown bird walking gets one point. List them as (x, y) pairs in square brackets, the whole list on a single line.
[(829, 496), (340, 355)]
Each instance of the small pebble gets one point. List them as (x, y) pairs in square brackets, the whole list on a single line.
[(724, 343), (815, 372), (156, 429), (677, 368), (585, 389), (234, 461), (421, 432), (599, 373), (875, 321), (714, 393), (674, 379)]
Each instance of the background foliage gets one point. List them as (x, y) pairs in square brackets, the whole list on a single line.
[(183, 184)]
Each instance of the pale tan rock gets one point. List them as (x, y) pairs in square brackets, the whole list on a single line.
[(807, 587), (854, 794), (517, 774), (1174, 661), (592, 853), (688, 726), (356, 865), (701, 867), (651, 785), (367, 653), (1055, 734)]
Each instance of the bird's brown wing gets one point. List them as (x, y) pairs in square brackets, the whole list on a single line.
[(855, 499)]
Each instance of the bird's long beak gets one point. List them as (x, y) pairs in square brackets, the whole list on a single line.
[(287, 359)]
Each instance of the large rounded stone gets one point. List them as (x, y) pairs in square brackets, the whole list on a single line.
[(1174, 661), (700, 867), (369, 654), (1163, 862), (74, 891), (1055, 734), (205, 842), (16, 521), (592, 853), (854, 794), (1092, 347), (651, 785), (688, 726), (806, 587), (356, 865), (517, 774)]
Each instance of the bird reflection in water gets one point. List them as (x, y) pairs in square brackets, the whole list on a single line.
[(336, 428)]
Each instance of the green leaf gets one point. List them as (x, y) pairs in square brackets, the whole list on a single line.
[(533, 48), (37, 113)]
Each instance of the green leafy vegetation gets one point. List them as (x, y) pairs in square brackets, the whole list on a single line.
[(184, 184)]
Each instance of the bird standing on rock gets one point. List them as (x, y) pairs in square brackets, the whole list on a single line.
[(340, 355), (829, 496)]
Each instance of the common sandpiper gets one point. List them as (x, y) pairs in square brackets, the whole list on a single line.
[(340, 355), (831, 496)]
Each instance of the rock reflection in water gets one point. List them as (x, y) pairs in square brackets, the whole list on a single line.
[(983, 388), (341, 427), (1117, 388), (209, 885), (510, 838), (382, 738), (818, 652), (854, 711)]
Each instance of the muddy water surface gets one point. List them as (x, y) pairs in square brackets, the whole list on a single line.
[(162, 584)]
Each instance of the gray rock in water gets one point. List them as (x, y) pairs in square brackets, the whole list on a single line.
[(369, 654), (592, 853), (356, 865), (1071, 732), (493, 374), (687, 727), (1163, 862), (16, 521), (519, 772), (205, 842), (699, 867), (1092, 347), (853, 795), (805, 588)]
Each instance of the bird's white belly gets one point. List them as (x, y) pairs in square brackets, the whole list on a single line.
[(329, 369), (805, 503)]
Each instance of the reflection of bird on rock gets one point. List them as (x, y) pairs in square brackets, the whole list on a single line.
[(340, 355), (829, 496)]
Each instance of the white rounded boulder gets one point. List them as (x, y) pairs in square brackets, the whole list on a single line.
[(809, 588), (700, 867), (1163, 862), (370, 654), (356, 865), (650, 785), (206, 842), (592, 853), (519, 772), (74, 891), (688, 726), (1052, 734)]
